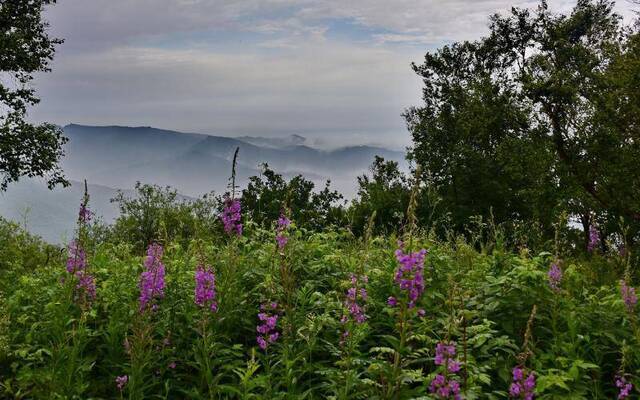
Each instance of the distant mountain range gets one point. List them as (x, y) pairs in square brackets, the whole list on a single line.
[(116, 157)]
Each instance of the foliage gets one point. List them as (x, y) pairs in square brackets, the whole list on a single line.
[(25, 48), (581, 337), (160, 214), (267, 194), (536, 118)]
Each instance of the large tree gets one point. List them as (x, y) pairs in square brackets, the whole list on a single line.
[(26, 149), (540, 114)]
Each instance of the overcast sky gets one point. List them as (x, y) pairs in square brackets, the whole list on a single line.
[(327, 69)]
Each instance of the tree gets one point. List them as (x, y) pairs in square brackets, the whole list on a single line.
[(26, 48), (158, 214), (268, 194), (386, 192), (538, 116)]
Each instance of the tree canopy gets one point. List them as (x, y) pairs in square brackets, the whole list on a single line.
[(539, 116), (26, 149)]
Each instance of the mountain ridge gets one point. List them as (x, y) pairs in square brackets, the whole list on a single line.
[(116, 157)]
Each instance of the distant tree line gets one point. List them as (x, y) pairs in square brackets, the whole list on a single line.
[(538, 120)]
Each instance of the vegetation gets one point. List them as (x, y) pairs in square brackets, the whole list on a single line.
[(25, 49), (504, 266), (538, 118), (284, 312)]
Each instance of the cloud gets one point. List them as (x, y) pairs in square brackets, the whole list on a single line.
[(329, 67), (321, 87)]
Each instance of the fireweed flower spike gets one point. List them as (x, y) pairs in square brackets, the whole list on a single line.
[(628, 296), (86, 285), (555, 276), (77, 258), (121, 382), (85, 289), (444, 385), (523, 385), (624, 387), (409, 275), (281, 229), (152, 278), (267, 330), (205, 291), (231, 216), (85, 214), (355, 294)]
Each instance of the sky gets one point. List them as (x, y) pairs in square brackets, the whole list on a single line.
[(334, 71)]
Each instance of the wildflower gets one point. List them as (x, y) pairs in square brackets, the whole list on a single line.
[(555, 276), (152, 278), (267, 331), (84, 215), (628, 295), (121, 382), (409, 275), (392, 301), (624, 386), (77, 258), (444, 385), (356, 311), (282, 225), (86, 285), (594, 239), (85, 288), (205, 291), (523, 385), (172, 365), (231, 216), (343, 338)]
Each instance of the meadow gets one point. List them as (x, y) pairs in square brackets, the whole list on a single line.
[(281, 312)]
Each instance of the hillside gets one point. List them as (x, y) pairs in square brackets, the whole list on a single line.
[(116, 157)]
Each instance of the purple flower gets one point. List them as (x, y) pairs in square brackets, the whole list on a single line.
[(354, 295), (518, 374), (84, 215), (281, 228), (409, 275), (445, 388), (121, 382), (445, 385), (267, 328), (77, 258), (594, 238), (85, 288), (523, 385), (624, 386), (231, 216), (628, 296), (86, 285), (444, 352), (283, 221), (555, 276), (172, 365), (152, 278), (392, 301), (205, 291)]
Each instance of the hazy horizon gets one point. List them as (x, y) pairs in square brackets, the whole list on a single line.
[(334, 72)]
